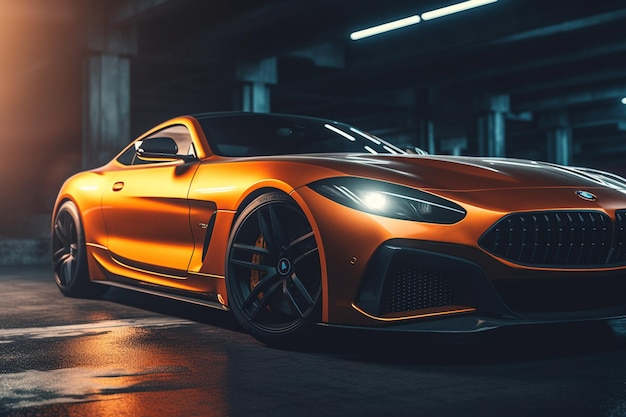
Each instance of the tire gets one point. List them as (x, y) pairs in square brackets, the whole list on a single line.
[(69, 255), (273, 272)]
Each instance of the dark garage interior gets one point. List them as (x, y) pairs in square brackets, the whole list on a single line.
[(525, 79), (79, 79)]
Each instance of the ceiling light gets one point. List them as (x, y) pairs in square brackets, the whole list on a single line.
[(385, 27), (341, 132), (455, 8), (624, 100)]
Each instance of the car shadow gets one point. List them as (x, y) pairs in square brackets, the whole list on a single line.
[(512, 344)]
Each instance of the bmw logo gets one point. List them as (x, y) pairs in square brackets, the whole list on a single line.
[(586, 195), (284, 266)]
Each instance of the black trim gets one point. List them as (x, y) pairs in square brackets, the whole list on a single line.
[(467, 281), (209, 234), (559, 239)]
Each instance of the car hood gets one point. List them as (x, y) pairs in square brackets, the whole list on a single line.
[(457, 173)]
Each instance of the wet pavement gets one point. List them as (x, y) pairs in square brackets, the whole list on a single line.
[(135, 355)]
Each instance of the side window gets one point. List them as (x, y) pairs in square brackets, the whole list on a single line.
[(179, 133)]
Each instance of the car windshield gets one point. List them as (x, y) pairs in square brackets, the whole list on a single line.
[(254, 134)]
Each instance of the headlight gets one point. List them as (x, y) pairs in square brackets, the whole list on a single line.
[(389, 200)]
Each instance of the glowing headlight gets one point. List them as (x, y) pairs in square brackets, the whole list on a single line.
[(389, 200), (375, 201)]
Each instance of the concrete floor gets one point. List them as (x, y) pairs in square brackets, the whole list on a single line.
[(135, 355)]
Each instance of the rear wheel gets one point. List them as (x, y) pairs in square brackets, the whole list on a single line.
[(69, 255), (273, 276)]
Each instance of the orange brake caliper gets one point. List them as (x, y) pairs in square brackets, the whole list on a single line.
[(255, 275)]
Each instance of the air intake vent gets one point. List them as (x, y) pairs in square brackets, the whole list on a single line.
[(412, 287), (556, 239)]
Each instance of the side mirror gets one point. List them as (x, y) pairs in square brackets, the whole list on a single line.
[(161, 148)]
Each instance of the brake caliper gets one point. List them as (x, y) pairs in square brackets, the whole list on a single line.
[(256, 275)]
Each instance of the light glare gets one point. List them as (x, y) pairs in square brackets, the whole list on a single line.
[(341, 132), (385, 27), (624, 100), (455, 8), (375, 201), (370, 150)]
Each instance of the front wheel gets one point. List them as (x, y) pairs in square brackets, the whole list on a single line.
[(273, 271), (69, 255)]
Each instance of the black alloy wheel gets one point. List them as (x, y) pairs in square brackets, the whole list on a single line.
[(274, 277), (69, 257)]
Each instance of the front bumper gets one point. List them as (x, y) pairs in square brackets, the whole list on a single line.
[(409, 288), (472, 323)]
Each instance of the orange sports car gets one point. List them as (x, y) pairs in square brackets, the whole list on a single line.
[(292, 222)]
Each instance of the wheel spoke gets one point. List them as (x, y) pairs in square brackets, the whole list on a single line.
[(302, 289), (277, 228), (300, 239), (262, 303), (305, 255), (67, 269), (252, 265), (271, 229), (60, 263), (263, 286), (59, 230), (67, 227), (267, 233), (258, 250), (291, 299), (59, 255)]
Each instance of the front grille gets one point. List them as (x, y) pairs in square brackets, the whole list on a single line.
[(413, 287), (559, 239)]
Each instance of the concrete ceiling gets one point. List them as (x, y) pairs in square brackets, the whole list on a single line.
[(556, 62), (549, 57)]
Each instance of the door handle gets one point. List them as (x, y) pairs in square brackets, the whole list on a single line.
[(118, 186)]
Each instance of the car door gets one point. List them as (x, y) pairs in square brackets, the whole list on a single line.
[(146, 211)]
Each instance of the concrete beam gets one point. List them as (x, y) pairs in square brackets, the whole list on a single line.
[(598, 115), (132, 11), (609, 91), (326, 55), (562, 27)]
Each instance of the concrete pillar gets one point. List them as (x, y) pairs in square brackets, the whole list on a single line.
[(254, 94), (106, 107), (558, 137), (255, 97), (560, 145), (424, 126), (491, 127), (106, 93)]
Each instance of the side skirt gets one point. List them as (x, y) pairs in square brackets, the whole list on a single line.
[(154, 291)]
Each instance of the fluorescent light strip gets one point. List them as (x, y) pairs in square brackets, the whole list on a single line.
[(385, 27), (412, 20), (455, 8), (341, 132)]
